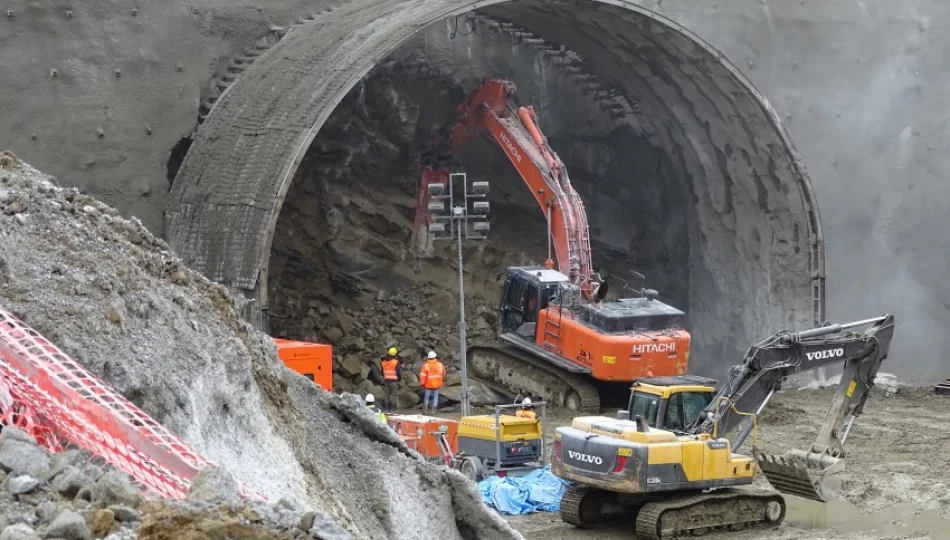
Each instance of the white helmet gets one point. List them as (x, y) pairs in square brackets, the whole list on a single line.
[(431, 355), (527, 401), (370, 398)]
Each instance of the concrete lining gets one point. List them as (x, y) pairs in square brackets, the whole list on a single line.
[(720, 132)]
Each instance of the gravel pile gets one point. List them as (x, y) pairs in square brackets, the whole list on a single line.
[(117, 300)]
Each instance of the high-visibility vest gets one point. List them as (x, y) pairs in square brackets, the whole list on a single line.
[(379, 414), (523, 413), (389, 369), (432, 374)]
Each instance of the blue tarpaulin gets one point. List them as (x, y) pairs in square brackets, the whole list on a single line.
[(538, 491)]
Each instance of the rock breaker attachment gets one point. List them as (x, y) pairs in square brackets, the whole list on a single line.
[(810, 475)]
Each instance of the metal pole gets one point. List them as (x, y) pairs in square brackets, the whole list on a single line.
[(463, 361), (549, 231)]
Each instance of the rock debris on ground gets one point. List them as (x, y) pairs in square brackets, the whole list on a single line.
[(117, 300)]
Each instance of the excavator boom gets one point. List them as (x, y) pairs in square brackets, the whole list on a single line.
[(489, 108), (814, 473)]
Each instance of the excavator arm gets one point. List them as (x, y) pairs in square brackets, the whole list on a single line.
[(490, 109), (814, 473)]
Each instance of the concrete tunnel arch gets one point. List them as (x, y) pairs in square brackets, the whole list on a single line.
[(720, 132)]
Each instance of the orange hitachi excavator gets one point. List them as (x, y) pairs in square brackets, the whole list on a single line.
[(556, 333)]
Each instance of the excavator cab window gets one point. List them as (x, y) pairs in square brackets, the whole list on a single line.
[(531, 301), (645, 405), (513, 303), (684, 407)]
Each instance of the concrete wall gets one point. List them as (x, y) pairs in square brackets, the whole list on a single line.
[(862, 82), (862, 88)]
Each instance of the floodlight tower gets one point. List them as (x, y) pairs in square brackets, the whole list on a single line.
[(462, 211)]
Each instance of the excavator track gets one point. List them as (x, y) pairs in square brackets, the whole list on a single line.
[(572, 510), (519, 371), (696, 514)]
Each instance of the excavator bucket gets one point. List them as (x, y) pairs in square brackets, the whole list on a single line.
[(810, 475)]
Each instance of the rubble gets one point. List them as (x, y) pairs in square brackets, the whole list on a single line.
[(115, 298), (63, 516)]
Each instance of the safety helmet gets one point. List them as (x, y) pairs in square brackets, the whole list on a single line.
[(370, 398), (392, 351), (431, 355), (527, 401)]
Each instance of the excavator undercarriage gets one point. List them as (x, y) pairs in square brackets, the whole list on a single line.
[(519, 371), (677, 514)]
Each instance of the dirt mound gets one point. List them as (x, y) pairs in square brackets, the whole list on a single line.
[(116, 299), (779, 413)]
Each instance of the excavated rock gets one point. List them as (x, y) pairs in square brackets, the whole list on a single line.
[(214, 484), (69, 525), (113, 297), (23, 484), (114, 487), (20, 457), (18, 532)]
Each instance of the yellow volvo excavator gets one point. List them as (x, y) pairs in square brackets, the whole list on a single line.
[(670, 456)]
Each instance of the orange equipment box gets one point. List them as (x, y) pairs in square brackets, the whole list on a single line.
[(312, 360), (422, 433)]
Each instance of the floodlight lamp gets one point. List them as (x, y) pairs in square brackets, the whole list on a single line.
[(480, 188)]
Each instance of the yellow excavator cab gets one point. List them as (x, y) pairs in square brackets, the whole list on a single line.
[(670, 403)]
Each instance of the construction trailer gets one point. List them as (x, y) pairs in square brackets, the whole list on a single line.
[(496, 444), (312, 360), (501, 443), (436, 439)]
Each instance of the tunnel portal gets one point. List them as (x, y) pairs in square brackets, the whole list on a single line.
[(687, 172)]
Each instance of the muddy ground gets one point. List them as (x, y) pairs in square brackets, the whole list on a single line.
[(896, 484)]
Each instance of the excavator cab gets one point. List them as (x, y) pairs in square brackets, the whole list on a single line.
[(527, 291), (669, 403)]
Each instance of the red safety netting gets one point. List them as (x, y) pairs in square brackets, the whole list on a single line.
[(58, 401)]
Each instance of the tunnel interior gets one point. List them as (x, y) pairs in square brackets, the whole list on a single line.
[(685, 171)]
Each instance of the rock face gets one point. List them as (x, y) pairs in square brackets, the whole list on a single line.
[(401, 319), (172, 342)]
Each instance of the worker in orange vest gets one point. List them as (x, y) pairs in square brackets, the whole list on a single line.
[(524, 411), (431, 378), (392, 373)]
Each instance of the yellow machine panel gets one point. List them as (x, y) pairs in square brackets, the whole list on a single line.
[(667, 391), (512, 428), (621, 429), (694, 459)]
